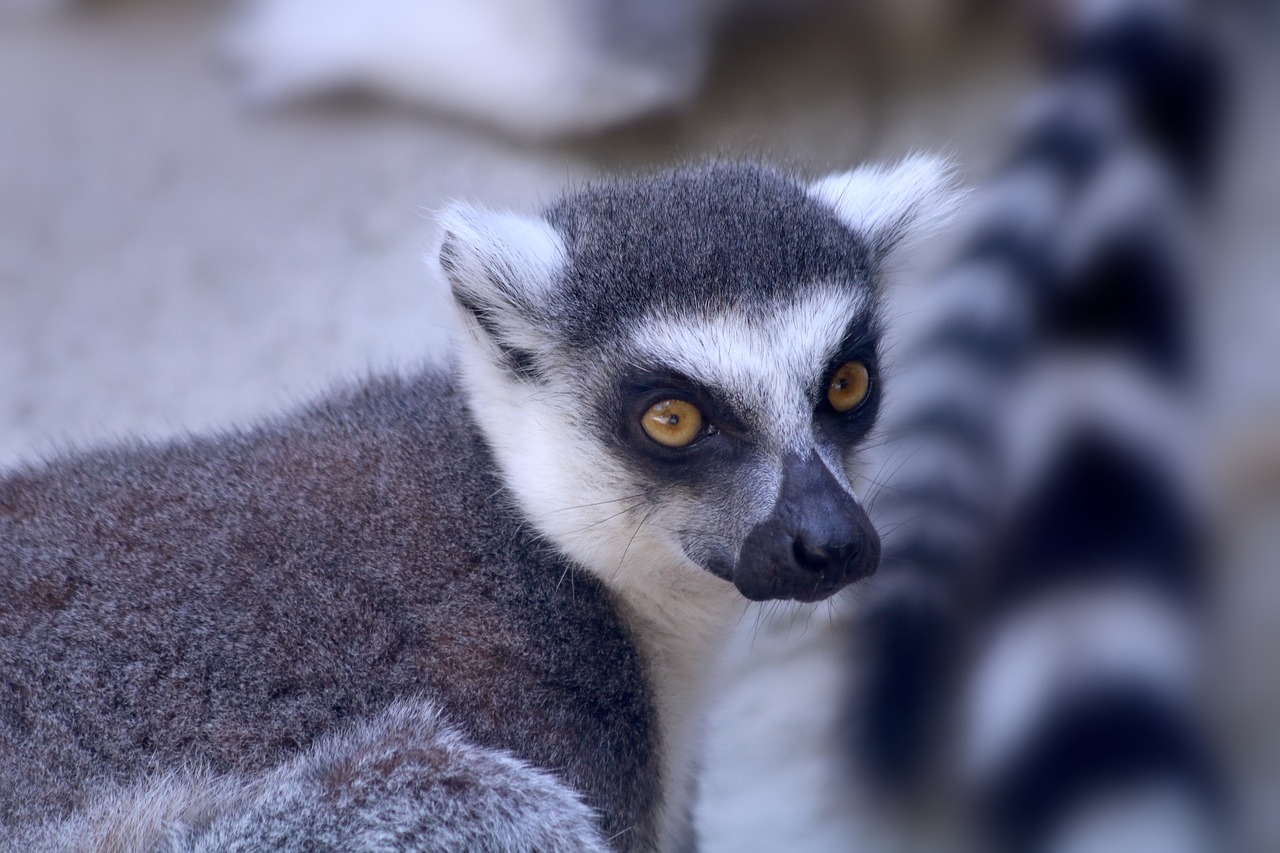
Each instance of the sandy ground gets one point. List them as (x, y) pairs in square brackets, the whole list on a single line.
[(171, 263)]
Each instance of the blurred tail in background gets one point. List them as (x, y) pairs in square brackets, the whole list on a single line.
[(532, 69), (1030, 655)]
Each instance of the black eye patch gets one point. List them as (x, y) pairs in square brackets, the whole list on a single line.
[(860, 343), (646, 386), (712, 455)]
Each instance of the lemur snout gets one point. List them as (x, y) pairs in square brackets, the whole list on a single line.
[(817, 541)]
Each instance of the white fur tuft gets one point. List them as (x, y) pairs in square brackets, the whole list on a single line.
[(517, 250), (500, 267), (893, 206)]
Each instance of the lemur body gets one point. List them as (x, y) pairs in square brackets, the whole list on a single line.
[(306, 591), (475, 608)]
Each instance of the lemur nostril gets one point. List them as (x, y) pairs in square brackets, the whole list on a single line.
[(811, 559)]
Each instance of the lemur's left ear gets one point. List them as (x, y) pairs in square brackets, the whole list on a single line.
[(893, 206), (501, 268)]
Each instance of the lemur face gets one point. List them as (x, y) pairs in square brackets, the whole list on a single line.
[(681, 370), (743, 427)]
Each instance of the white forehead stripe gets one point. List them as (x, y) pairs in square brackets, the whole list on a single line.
[(767, 359)]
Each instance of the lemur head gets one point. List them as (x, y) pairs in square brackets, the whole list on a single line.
[(678, 371)]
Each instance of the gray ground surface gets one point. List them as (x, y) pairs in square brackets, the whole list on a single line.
[(171, 263)]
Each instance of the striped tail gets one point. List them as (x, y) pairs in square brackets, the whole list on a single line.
[(1032, 646)]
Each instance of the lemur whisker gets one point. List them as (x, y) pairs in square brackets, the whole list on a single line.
[(890, 528), (755, 628), (608, 518), (620, 833), (881, 486), (893, 474), (599, 503), (623, 559)]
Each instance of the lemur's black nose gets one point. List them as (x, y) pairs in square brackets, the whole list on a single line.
[(822, 559), (817, 541)]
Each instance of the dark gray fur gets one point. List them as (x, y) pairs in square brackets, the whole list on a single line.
[(759, 237), (403, 780), (226, 601)]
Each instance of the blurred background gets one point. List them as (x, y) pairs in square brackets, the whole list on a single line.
[(211, 211)]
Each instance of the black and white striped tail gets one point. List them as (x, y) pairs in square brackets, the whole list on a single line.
[(1033, 643)]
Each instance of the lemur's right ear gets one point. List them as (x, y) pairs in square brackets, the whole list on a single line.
[(892, 207), (501, 267)]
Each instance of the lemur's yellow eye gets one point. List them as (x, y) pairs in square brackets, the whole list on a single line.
[(672, 423), (849, 386)]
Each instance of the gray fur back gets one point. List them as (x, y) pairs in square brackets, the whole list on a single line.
[(223, 603), (405, 780)]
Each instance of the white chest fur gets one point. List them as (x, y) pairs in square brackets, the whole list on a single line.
[(682, 622)]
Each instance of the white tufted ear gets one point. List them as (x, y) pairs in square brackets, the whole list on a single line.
[(501, 268), (893, 206)]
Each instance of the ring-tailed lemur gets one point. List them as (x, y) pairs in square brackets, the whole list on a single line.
[(472, 608), (1032, 645)]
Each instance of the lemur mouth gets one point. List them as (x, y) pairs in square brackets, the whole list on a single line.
[(817, 541)]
